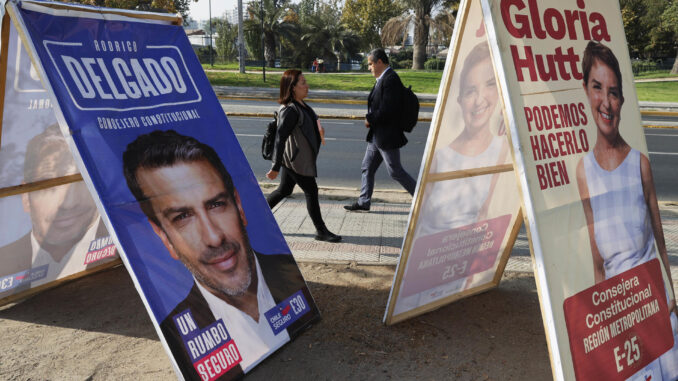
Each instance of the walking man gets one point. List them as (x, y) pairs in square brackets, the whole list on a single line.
[(385, 137)]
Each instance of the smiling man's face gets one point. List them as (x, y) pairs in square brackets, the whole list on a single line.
[(60, 215), (201, 224)]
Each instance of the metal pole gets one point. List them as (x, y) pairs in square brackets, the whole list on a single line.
[(210, 47), (263, 41), (241, 44)]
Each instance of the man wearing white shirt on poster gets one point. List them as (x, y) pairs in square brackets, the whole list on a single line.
[(190, 202), (64, 218)]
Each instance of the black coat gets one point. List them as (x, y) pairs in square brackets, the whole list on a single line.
[(283, 279), (383, 105)]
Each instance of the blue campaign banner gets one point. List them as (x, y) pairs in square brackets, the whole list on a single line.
[(172, 179)]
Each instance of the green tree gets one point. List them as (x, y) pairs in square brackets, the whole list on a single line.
[(396, 28), (276, 24), (442, 27), (165, 6), (422, 24), (670, 19), (306, 9), (227, 40), (636, 36), (326, 36), (368, 17)]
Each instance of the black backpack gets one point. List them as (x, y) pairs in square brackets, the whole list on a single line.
[(269, 138), (409, 110)]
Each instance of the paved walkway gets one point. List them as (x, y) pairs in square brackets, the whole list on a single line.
[(376, 237)]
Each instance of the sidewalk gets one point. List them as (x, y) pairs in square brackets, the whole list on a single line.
[(375, 237)]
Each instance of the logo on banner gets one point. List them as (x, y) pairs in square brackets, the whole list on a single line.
[(619, 326), (99, 249), (15, 280), (211, 349), (287, 312), (122, 76)]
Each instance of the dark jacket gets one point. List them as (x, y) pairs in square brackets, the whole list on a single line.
[(283, 279), (297, 148), (383, 105)]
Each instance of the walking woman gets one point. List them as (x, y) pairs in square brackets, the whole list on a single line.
[(297, 143)]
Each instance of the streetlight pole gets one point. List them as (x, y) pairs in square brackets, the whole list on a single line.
[(210, 47), (263, 40), (241, 44)]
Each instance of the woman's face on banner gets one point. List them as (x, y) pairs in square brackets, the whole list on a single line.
[(605, 98), (478, 96)]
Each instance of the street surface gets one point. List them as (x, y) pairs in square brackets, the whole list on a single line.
[(340, 159)]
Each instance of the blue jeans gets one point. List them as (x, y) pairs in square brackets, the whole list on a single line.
[(371, 162)]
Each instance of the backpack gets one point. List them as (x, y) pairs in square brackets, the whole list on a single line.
[(268, 142), (409, 112), (269, 138)]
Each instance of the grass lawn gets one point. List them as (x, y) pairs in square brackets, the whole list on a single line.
[(655, 74), (657, 91), (421, 82)]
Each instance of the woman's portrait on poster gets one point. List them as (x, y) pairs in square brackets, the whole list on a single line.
[(481, 143), (617, 190)]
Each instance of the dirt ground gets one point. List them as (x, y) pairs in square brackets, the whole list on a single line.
[(96, 328)]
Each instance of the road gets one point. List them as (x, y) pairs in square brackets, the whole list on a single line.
[(339, 161)]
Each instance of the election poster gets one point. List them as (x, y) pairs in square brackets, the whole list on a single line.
[(51, 231), (466, 211), (601, 263), (171, 183)]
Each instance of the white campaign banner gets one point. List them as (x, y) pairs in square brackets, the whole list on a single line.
[(593, 222), (466, 211)]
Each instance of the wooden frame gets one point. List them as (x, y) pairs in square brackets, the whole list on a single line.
[(426, 179)]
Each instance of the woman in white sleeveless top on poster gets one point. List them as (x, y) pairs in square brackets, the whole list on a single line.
[(617, 192), (451, 204), (455, 203)]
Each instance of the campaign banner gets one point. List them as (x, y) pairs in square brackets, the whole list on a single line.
[(465, 212), (587, 187), (445, 257), (171, 180), (617, 318), (51, 231)]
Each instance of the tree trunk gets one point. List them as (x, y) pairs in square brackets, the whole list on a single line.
[(421, 30), (269, 49), (674, 70)]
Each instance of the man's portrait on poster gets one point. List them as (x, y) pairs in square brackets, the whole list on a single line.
[(617, 190), (64, 218), (192, 205)]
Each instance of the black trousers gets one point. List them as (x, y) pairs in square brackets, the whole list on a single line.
[(288, 179)]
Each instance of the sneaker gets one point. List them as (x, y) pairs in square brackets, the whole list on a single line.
[(355, 207), (327, 236)]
